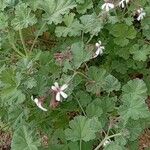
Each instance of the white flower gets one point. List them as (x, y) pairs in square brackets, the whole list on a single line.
[(59, 91), (99, 50), (106, 142), (141, 14), (107, 6), (122, 3), (38, 103)]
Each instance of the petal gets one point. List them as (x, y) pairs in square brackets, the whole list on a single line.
[(111, 5), (64, 95), (56, 84), (64, 87), (97, 44), (101, 51), (103, 6), (32, 98), (41, 107), (107, 8), (97, 52), (39, 104), (36, 100), (58, 96), (139, 18), (54, 88)]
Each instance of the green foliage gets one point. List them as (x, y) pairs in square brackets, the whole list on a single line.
[(55, 9), (100, 61), (24, 139), (82, 128), (133, 97), (23, 17), (122, 34), (92, 24), (72, 27)]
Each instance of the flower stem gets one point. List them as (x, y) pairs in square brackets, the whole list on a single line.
[(106, 138), (80, 106), (80, 144), (14, 47), (22, 41), (37, 35)]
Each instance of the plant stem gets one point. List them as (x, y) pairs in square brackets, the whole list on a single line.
[(37, 36), (22, 41), (77, 72), (106, 138), (90, 39), (80, 144), (16, 50), (80, 106)]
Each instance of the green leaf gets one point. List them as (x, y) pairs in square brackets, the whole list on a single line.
[(140, 54), (80, 1), (3, 4), (94, 109), (123, 33), (91, 24), (82, 128), (80, 55), (111, 84), (72, 28), (23, 17), (3, 21), (133, 97), (11, 96), (24, 139), (134, 128), (84, 98), (82, 7), (55, 9), (114, 146), (30, 83), (136, 88), (17, 115), (98, 77)]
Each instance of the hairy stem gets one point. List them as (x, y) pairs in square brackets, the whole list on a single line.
[(106, 138), (37, 36), (22, 41)]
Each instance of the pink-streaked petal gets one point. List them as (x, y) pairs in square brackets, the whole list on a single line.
[(64, 95), (39, 104), (58, 96), (41, 107), (63, 87), (56, 84), (53, 88), (36, 100)]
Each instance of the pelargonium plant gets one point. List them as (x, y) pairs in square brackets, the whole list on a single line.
[(76, 72)]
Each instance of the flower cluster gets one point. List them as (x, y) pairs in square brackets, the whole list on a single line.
[(141, 14), (107, 6), (99, 50), (58, 92)]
